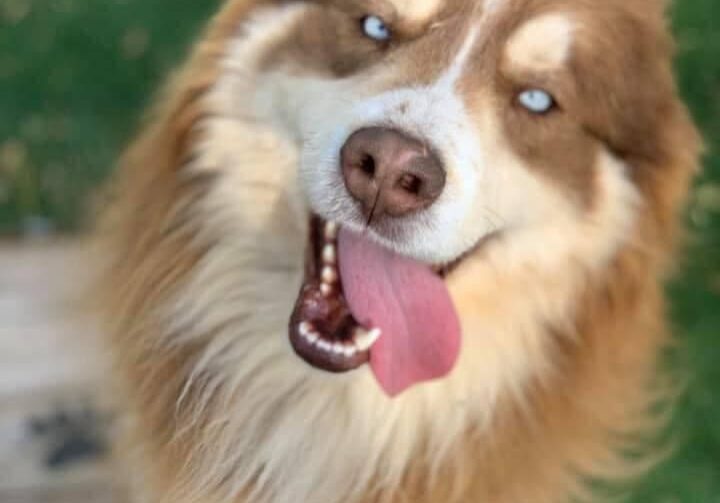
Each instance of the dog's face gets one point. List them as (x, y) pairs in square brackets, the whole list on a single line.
[(442, 189), (485, 140), (492, 102), (519, 104)]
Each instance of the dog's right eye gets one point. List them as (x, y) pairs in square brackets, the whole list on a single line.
[(536, 101), (376, 29)]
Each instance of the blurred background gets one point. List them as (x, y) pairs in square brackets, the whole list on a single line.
[(75, 77)]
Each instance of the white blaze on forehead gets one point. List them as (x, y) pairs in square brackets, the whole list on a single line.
[(416, 10), (455, 70), (326, 124), (541, 44), (491, 6)]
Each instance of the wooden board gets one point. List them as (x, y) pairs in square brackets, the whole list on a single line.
[(54, 423)]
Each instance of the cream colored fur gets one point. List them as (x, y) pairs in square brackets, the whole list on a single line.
[(278, 424), (542, 44)]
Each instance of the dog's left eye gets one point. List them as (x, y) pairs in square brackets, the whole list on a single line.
[(536, 101), (376, 29)]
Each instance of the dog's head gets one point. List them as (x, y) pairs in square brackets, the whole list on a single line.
[(462, 191), (464, 148)]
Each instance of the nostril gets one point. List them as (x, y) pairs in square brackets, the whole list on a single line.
[(390, 173), (411, 184), (367, 165)]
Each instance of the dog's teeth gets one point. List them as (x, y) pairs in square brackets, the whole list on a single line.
[(349, 350), (324, 345), (325, 289), (328, 254), (374, 335), (331, 230), (364, 339), (338, 348), (307, 331), (329, 275), (304, 328)]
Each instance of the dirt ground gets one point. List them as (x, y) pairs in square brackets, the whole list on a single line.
[(54, 421)]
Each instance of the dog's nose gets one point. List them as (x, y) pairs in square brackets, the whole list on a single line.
[(390, 173)]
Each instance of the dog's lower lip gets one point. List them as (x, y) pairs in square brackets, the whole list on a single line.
[(322, 330)]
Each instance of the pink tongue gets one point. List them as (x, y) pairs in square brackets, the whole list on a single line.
[(409, 303)]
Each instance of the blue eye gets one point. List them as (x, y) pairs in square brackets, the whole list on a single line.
[(376, 29), (536, 101)]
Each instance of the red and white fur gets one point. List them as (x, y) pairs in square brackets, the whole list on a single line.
[(564, 225)]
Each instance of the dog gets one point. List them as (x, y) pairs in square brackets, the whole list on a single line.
[(403, 251)]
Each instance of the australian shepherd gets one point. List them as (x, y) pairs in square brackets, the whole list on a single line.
[(399, 251)]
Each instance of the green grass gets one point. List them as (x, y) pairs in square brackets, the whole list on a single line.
[(76, 74), (692, 475)]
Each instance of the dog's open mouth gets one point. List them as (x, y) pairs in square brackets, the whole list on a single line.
[(323, 331), (361, 303)]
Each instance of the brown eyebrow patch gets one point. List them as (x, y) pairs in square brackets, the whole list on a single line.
[(543, 43), (417, 11), (409, 17), (360, 8)]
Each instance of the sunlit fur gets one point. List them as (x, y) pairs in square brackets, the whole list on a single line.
[(559, 291)]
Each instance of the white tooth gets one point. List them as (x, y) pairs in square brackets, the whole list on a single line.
[(324, 345), (338, 348), (304, 328), (329, 275), (374, 335), (331, 229), (325, 289), (349, 350), (328, 254), (312, 337), (365, 339)]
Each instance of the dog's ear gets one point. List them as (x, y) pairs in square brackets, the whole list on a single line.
[(634, 78), (642, 118), (654, 8)]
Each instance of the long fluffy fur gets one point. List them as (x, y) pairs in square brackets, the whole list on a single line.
[(203, 263)]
